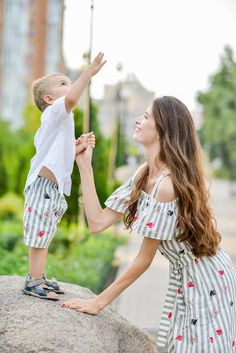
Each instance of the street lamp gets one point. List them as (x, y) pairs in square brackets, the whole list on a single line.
[(86, 120), (87, 58), (114, 138)]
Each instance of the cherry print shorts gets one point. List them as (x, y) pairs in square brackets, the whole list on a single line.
[(43, 210)]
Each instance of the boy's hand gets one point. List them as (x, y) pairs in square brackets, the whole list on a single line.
[(83, 141), (74, 93), (96, 64)]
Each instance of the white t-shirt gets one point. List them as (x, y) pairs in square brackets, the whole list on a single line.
[(55, 146)]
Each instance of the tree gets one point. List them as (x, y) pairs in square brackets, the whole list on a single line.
[(218, 132), (16, 150), (5, 138), (121, 146)]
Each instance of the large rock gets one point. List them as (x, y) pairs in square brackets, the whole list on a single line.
[(32, 325)]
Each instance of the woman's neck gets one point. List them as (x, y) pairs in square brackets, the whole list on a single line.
[(154, 163)]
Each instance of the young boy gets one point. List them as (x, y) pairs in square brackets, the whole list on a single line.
[(50, 172)]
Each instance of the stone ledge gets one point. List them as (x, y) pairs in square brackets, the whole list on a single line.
[(32, 325)]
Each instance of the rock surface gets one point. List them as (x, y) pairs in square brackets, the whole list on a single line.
[(32, 325)]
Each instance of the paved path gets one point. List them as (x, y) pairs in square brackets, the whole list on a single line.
[(142, 302)]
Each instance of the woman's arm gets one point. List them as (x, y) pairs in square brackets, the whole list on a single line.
[(135, 270), (98, 218)]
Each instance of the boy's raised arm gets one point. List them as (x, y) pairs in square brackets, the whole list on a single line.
[(74, 94)]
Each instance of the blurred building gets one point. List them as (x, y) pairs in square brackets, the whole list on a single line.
[(30, 46), (126, 100)]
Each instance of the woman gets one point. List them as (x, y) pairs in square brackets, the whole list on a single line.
[(166, 201)]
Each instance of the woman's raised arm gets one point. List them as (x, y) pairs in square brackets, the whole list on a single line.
[(98, 218)]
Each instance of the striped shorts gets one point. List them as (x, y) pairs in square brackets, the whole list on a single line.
[(43, 210)]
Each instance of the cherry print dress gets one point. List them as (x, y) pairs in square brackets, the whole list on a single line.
[(199, 314)]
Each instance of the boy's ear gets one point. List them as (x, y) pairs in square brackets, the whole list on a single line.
[(48, 99)]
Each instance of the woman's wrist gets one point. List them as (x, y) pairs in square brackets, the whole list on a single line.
[(84, 167), (82, 162), (100, 302)]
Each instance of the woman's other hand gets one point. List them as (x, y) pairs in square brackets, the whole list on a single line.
[(83, 306)]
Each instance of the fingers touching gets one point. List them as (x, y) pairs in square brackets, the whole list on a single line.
[(87, 139), (84, 141)]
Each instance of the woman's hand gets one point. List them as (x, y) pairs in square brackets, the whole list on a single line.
[(84, 158), (83, 306)]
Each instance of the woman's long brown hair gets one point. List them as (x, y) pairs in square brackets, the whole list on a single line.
[(180, 151)]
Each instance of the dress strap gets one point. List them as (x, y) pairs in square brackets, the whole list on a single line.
[(157, 182)]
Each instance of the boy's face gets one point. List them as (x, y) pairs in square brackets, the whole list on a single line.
[(59, 86)]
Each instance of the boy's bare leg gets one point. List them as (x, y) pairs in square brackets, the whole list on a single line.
[(37, 264)]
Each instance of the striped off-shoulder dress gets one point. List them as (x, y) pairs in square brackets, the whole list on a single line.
[(199, 314)]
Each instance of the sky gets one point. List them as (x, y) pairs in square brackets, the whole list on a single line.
[(172, 46)]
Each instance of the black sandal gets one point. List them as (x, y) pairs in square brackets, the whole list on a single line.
[(32, 288), (54, 285)]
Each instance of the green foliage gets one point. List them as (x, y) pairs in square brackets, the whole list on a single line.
[(86, 264), (5, 138), (11, 207), (100, 157), (100, 164), (10, 233), (218, 133), (16, 150), (121, 146), (31, 116)]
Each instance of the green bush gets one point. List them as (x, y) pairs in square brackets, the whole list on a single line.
[(85, 263), (11, 207), (10, 234)]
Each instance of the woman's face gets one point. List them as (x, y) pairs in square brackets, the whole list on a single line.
[(145, 131)]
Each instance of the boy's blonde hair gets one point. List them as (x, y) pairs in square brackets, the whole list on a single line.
[(40, 88)]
